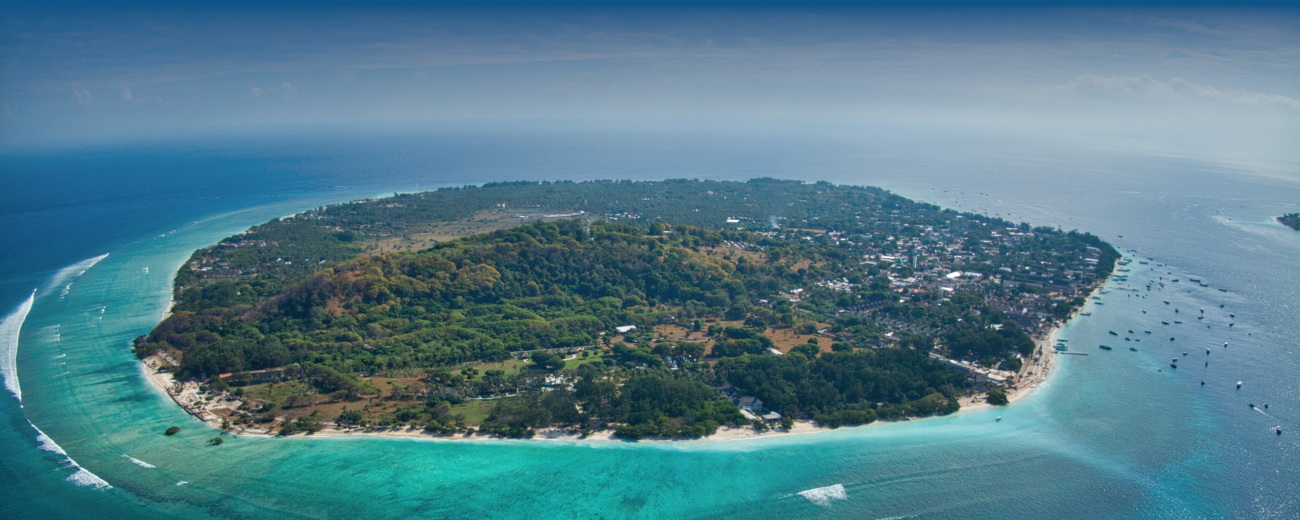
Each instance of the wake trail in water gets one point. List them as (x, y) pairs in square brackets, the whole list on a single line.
[(80, 477), (9, 330)]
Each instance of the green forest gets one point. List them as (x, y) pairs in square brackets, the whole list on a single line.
[(558, 318), (1291, 220)]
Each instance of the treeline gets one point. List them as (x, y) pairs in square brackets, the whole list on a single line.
[(846, 388)]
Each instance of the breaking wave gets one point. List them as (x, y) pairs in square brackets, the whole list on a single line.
[(13, 323), (138, 462), (66, 275), (9, 329), (80, 477), (823, 496)]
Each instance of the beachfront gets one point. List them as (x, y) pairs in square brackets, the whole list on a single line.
[(1035, 371)]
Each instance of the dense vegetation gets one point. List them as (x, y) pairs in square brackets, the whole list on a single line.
[(1291, 220), (842, 388), (295, 303)]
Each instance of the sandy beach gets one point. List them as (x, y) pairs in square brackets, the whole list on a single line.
[(1035, 372)]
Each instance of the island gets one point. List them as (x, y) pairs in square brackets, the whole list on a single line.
[(1291, 220), (634, 310)]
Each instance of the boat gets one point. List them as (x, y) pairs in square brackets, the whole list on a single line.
[(999, 419), (1103, 347), (1112, 333)]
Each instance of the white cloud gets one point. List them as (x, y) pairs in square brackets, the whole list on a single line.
[(1147, 87), (82, 97), (255, 92), (287, 89), (126, 94)]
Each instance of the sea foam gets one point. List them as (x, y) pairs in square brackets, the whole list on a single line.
[(80, 477), (66, 276), (13, 323), (138, 462), (9, 329), (823, 496)]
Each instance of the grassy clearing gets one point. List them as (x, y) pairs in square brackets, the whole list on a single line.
[(510, 367), (278, 392), (475, 411), (595, 356)]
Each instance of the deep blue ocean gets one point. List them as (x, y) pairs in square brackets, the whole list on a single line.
[(1113, 435)]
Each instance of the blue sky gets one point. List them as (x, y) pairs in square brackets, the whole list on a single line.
[(1205, 80)]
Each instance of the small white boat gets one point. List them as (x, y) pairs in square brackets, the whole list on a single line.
[(999, 419)]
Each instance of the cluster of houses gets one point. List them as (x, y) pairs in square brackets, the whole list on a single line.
[(1022, 277), (1026, 281), (751, 408), (979, 374)]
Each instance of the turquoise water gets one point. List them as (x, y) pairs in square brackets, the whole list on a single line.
[(1113, 434)]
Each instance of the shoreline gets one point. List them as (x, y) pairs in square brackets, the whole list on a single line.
[(1036, 371)]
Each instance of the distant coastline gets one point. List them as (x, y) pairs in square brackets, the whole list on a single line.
[(1291, 220)]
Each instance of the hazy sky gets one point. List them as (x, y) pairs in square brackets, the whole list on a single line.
[(1212, 81)]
